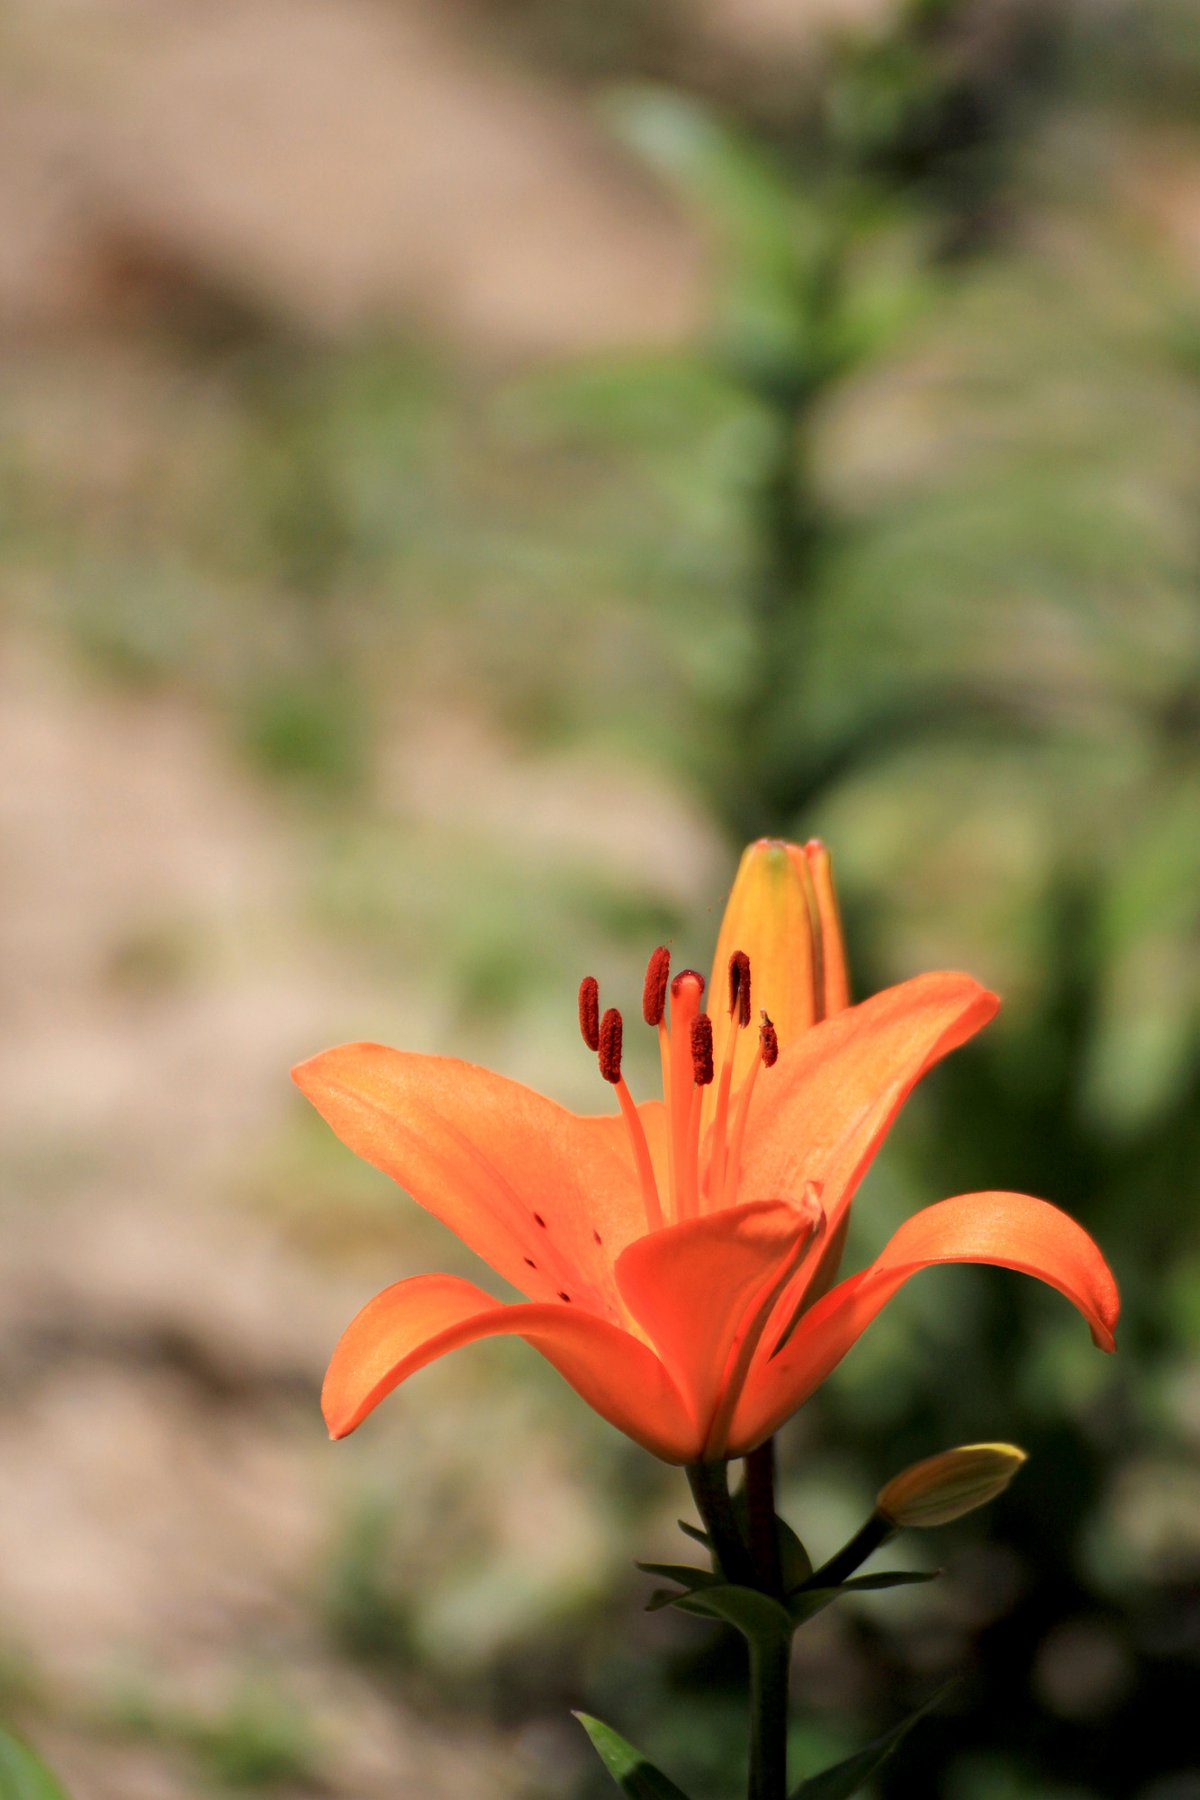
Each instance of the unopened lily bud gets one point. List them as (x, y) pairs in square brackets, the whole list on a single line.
[(771, 925), (945, 1487)]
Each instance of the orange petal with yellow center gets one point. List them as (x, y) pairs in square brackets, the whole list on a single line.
[(1011, 1231), (413, 1322), (699, 1287), (547, 1197)]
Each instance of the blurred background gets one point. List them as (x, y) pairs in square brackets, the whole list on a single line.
[(464, 469)]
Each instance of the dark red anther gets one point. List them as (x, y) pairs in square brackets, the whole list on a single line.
[(610, 1045), (589, 1011), (654, 994), (702, 1049), (768, 1042), (739, 987), (687, 975)]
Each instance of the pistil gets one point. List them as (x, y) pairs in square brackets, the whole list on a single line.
[(686, 991)]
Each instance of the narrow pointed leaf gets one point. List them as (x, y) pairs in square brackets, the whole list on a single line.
[(627, 1766), (846, 1778), (695, 1533), (755, 1615), (887, 1578), (23, 1776), (662, 1598), (689, 1580), (804, 1603), (684, 1573)]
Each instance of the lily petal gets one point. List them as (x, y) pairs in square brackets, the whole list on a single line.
[(699, 1288), (1012, 1231), (547, 1197), (411, 1323), (821, 1113)]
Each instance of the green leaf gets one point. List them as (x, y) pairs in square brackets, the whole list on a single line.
[(689, 1579), (755, 1615), (22, 1775), (627, 1766), (795, 1564), (686, 1574), (805, 1603), (846, 1778), (809, 1602), (887, 1578), (662, 1598)]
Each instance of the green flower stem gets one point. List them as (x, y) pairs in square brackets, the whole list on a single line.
[(760, 1502), (757, 1567), (770, 1662), (709, 1483), (877, 1531)]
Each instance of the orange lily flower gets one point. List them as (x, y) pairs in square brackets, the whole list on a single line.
[(678, 1258)]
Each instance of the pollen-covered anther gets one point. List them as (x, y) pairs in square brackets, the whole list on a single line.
[(609, 1045), (589, 1011), (739, 987), (702, 1049), (768, 1043), (654, 993)]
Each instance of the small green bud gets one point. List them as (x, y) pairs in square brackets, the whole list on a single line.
[(945, 1487)]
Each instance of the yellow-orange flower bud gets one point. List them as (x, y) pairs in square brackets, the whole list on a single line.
[(945, 1487), (782, 920)]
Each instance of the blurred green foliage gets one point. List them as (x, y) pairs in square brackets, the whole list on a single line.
[(906, 554), (261, 1741)]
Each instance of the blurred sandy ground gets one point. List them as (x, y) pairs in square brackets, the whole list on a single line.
[(168, 1505)]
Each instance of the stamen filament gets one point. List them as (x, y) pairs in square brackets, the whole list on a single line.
[(641, 1156), (716, 1161), (732, 1168), (689, 1187), (664, 1052), (739, 1015), (768, 1053)]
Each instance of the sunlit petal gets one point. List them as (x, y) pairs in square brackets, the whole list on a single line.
[(820, 1114), (547, 1197), (1012, 1231), (413, 1322), (697, 1288)]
